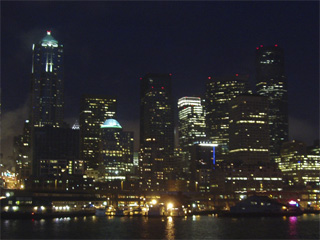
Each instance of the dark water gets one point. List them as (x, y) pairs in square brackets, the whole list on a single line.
[(193, 227)]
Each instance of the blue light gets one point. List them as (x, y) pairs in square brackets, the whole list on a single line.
[(214, 156)]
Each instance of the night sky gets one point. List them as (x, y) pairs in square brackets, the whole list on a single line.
[(108, 46)]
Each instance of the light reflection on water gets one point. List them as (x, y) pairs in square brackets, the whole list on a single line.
[(191, 227), (293, 220), (170, 230)]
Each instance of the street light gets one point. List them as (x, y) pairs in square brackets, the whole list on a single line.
[(169, 206)]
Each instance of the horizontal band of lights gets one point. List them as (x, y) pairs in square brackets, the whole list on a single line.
[(208, 144), (250, 149), (187, 101), (251, 121)]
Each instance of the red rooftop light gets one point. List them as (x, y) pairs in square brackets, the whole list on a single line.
[(140, 78), (237, 75), (276, 45), (209, 77), (257, 48), (162, 87), (170, 74), (261, 45)]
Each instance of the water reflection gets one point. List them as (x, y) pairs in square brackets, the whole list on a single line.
[(293, 226), (170, 230)]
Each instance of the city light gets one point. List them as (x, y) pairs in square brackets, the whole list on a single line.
[(169, 206)]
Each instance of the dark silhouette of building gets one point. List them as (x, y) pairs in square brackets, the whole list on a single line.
[(249, 130), (54, 151), (202, 165), (156, 129), (21, 153), (47, 85), (219, 92), (94, 110), (272, 83)]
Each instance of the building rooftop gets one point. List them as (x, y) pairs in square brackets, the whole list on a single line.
[(48, 40), (111, 123)]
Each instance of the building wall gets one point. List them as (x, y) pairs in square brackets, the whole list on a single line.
[(272, 83), (300, 167), (156, 129), (47, 84), (249, 130), (116, 153), (52, 149), (219, 92), (94, 110)]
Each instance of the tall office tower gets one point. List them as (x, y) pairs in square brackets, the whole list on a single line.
[(272, 83), (94, 110), (156, 129), (192, 125), (54, 150), (116, 148), (219, 92), (47, 84), (249, 130)]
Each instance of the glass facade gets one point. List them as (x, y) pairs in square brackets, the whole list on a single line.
[(219, 92), (156, 129), (94, 110), (116, 148), (272, 83), (249, 130), (47, 85), (299, 166), (192, 126)]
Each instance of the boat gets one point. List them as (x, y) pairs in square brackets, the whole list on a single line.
[(259, 206)]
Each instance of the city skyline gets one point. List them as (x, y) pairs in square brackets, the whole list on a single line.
[(188, 76)]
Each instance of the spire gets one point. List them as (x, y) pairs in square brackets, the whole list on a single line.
[(76, 125), (48, 40)]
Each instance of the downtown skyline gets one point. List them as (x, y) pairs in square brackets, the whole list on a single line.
[(120, 51)]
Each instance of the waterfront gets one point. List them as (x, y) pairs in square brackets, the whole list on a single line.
[(191, 227)]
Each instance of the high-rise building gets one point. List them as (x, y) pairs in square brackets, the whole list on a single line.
[(116, 148), (156, 129), (47, 83), (300, 165), (191, 121), (249, 130), (192, 125), (272, 83), (94, 110), (219, 92), (54, 149)]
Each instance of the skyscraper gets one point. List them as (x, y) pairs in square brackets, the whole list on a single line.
[(272, 83), (219, 92), (249, 130), (192, 125), (116, 148), (94, 110), (156, 129), (191, 121), (47, 83)]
